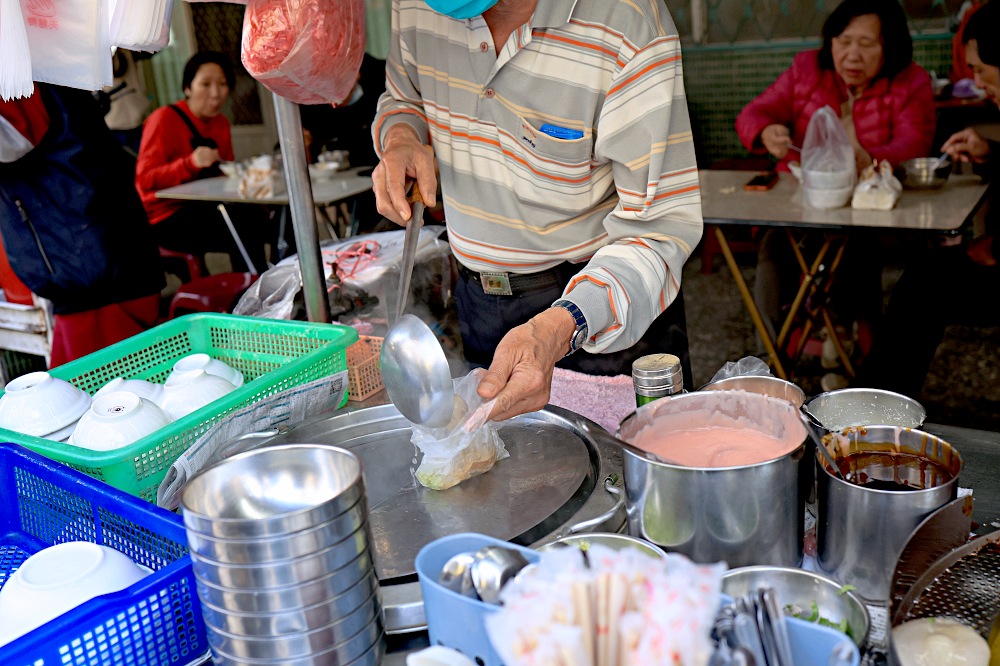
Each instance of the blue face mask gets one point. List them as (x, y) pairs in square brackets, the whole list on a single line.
[(460, 9)]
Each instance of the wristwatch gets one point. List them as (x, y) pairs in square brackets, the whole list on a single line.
[(580, 334)]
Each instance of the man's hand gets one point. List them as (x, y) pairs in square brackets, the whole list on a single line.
[(967, 146), (776, 140), (204, 157), (520, 376), (403, 157)]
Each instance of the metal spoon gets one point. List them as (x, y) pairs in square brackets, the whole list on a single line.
[(456, 575), (416, 374), (814, 436), (494, 566)]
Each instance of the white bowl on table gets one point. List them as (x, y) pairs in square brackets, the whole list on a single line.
[(231, 169), (117, 419), (827, 199), (828, 180), (39, 404), (324, 170), (59, 578)]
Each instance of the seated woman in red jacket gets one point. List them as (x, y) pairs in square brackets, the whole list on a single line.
[(865, 72), (186, 141)]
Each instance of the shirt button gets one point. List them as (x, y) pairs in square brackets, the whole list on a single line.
[(484, 47), (489, 93)]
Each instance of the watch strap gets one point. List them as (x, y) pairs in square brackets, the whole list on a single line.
[(580, 334)]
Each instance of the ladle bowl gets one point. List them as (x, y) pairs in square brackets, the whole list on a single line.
[(416, 374)]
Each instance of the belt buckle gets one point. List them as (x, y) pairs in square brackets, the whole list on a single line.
[(496, 284)]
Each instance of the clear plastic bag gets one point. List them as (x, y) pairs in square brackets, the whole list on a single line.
[(15, 75), (826, 149), (879, 189), (308, 51), (748, 366), (467, 446)]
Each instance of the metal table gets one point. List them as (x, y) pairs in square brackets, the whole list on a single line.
[(725, 202)]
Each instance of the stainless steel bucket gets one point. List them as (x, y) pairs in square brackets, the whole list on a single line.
[(744, 515), (861, 531)]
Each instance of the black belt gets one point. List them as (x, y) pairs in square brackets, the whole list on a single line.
[(508, 284)]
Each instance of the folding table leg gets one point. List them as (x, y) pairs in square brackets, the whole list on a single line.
[(751, 306)]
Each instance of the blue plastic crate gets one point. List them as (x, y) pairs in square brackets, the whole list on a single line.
[(156, 621)]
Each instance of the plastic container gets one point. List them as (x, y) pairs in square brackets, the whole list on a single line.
[(273, 355), (456, 622), (155, 621), (364, 376), (453, 620)]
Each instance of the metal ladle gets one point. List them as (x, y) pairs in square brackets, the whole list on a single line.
[(414, 368), (814, 436), (493, 567)]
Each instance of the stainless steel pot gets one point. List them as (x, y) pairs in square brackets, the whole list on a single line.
[(861, 531), (744, 515)]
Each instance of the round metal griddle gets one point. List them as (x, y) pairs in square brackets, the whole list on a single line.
[(553, 480)]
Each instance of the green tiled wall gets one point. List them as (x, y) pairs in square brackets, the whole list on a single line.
[(721, 80)]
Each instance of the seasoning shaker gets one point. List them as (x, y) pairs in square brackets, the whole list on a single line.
[(655, 376)]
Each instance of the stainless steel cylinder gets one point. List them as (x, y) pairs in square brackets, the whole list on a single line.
[(745, 515), (861, 530)]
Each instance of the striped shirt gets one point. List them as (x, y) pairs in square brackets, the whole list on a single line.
[(623, 198)]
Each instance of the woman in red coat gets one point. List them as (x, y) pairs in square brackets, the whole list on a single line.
[(184, 142), (865, 72)]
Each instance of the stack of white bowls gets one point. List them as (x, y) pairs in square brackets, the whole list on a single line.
[(283, 559), (41, 405), (827, 189)]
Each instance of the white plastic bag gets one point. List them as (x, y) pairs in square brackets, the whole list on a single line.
[(828, 167), (307, 51), (879, 189), (467, 446), (69, 42), (15, 74), (262, 179)]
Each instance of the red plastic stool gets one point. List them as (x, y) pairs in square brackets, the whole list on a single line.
[(213, 293)]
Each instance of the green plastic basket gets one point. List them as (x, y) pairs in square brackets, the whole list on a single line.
[(273, 355)]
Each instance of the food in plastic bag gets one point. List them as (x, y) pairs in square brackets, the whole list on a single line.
[(261, 179), (308, 51), (828, 166), (879, 189), (467, 446)]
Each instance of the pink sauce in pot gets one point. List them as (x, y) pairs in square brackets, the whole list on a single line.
[(713, 447)]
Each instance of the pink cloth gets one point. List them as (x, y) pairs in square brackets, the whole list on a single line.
[(603, 400)]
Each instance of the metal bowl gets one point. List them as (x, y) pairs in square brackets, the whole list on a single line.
[(772, 386), (322, 641), (272, 491), (920, 174), (798, 587), (280, 574), (260, 550), (850, 407), (290, 597), (608, 539)]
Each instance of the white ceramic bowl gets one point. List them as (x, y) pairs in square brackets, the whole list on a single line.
[(142, 388), (324, 170), (185, 392), (63, 434), (827, 180), (827, 199), (230, 169), (210, 365), (117, 419), (38, 404), (58, 579)]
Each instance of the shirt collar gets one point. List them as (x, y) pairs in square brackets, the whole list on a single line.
[(553, 13)]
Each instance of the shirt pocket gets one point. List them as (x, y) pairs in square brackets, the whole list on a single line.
[(548, 171)]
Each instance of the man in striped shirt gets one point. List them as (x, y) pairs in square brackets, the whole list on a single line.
[(564, 148)]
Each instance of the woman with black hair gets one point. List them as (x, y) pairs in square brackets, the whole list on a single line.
[(865, 72), (186, 141)]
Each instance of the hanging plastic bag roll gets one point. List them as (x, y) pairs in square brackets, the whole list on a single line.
[(15, 75), (308, 51), (70, 43)]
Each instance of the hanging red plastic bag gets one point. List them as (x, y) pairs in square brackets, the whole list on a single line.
[(308, 51)]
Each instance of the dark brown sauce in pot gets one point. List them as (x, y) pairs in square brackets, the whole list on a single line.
[(898, 472)]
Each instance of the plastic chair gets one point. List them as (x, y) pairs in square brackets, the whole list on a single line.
[(192, 262), (212, 293)]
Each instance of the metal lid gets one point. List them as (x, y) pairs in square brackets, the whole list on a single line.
[(657, 370)]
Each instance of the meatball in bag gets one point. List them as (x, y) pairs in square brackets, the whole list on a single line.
[(467, 446)]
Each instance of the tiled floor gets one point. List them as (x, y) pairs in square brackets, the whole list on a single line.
[(962, 388)]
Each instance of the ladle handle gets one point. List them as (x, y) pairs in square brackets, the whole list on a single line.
[(818, 441), (410, 240)]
